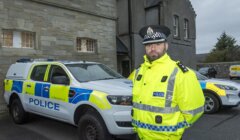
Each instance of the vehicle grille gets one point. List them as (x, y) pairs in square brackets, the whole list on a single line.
[(124, 124)]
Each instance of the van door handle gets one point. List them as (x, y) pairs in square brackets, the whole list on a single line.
[(46, 88), (29, 86)]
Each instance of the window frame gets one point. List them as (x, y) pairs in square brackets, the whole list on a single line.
[(24, 39), (176, 30), (35, 66), (9, 33), (153, 15), (51, 73), (93, 46), (186, 28), (29, 41)]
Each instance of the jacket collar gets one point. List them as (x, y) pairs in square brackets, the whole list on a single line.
[(162, 59)]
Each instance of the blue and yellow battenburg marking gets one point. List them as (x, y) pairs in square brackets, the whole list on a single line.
[(81, 95), (17, 86), (211, 86), (57, 92)]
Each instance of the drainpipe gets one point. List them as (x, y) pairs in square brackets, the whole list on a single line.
[(131, 47)]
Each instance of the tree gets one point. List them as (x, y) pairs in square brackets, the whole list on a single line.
[(224, 50)]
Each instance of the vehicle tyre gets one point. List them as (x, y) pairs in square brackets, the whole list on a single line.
[(17, 112), (92, 127), (212, 103)]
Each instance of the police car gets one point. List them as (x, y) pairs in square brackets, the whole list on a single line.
[(219, 93), (86, 94)]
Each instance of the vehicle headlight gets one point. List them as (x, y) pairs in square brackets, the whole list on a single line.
[(120, 100), (225, 87)]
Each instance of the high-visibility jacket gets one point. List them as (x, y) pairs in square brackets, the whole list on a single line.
[(167, 98)]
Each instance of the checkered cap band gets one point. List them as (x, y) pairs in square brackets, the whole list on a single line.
[(155, 37)]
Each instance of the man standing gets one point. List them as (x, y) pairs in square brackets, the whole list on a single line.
[(167, 97)]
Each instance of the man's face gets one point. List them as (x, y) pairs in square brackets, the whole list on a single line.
[(155, 50)]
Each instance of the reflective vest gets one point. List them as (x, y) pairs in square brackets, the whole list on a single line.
[(167, 98)]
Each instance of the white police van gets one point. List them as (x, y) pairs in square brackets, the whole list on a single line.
[(234, 71), (86, 94)]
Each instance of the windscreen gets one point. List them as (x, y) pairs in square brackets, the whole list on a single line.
[(200, 76), (92, 72)]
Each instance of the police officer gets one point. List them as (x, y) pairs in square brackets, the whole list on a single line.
[(212, 72), (167, 97)]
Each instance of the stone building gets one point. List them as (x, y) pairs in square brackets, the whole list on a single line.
[(178, 15), (59, 29), (87, 29)]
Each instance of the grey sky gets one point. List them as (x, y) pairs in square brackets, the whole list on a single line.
[(213, 18)]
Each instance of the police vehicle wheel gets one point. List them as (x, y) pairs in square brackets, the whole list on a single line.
[(212, 104), (92, 127), (17, 112)]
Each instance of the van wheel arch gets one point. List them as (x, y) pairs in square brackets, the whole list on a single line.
[(16, 110), (81, 110), (13, 97)]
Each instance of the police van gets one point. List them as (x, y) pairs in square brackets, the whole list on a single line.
[(88, 95), (234, 71)]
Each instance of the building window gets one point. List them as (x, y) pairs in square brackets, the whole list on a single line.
[(153, 15), (176, 26), (18, 39), (7, 37), (27, 39), (87, 45), (186, 29)]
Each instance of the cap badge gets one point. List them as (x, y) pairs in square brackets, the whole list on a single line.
[(150, 31)]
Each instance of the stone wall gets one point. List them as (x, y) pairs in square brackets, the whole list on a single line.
[(221, 67), (57, 24)]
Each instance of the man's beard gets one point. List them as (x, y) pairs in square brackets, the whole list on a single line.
[(152, 58), (155, 57)]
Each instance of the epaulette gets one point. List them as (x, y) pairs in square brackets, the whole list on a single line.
[(182, 67), (136, 74)]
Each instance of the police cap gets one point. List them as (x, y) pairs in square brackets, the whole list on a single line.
[(154, 34)]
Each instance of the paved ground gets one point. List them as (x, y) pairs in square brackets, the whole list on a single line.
[(221, 126), (38, 128)]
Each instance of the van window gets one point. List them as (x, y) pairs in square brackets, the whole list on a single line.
[(56, 70), (38, 72)]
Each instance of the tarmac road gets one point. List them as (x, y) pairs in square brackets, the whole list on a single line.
[(39, 128), (224, 125)]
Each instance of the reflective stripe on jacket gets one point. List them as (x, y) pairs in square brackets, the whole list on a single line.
[(165, 99)]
